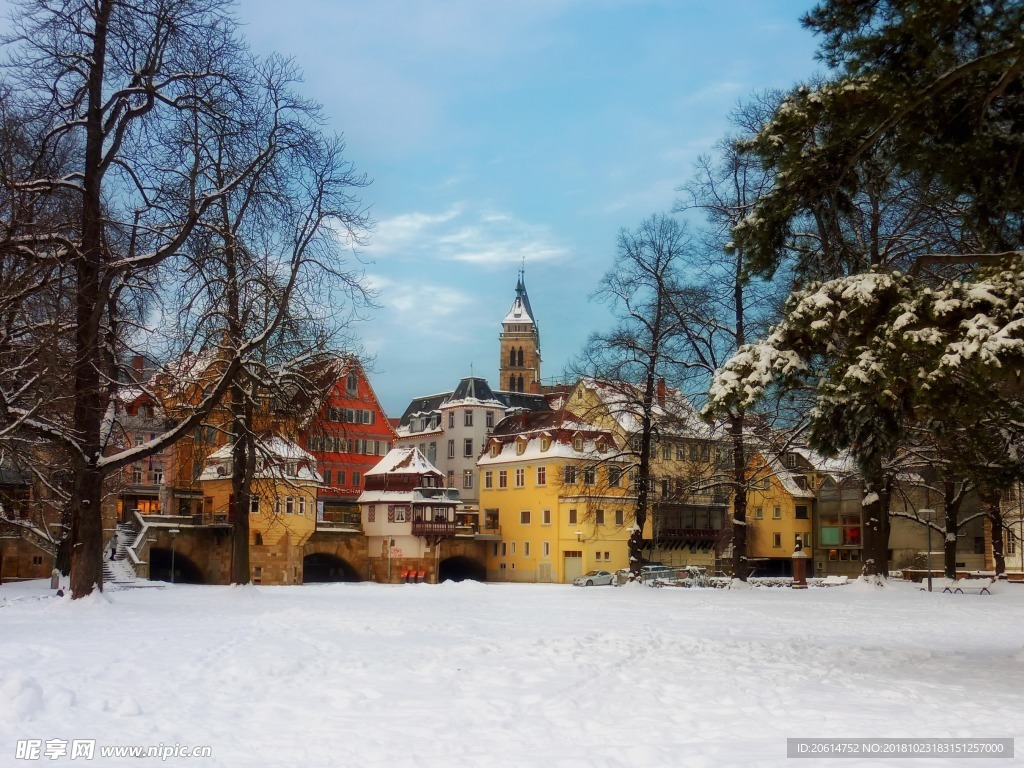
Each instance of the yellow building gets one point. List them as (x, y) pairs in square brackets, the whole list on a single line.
[(688, 490), (558, 489), (780, 508), (282, 512)]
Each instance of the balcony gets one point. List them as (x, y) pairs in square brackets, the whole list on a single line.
[(434, 527), (688, 534), (491, 533)]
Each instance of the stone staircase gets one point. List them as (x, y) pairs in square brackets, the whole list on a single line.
[(119, 571)]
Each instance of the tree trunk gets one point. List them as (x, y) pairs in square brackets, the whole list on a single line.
[(995, 521), (90, 405), (875, 513), (636, 538), (740, 563)]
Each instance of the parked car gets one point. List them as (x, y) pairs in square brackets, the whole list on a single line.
[(593, 578)]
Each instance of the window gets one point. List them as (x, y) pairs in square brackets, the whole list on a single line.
[(259, 539), (666, 451), (355, 479), (467, 418), (777, 540), (513, 547), (614, 477), (37, 559), (489, 419), (572, 517), (526, 549), (577, 443), (327, 476), (607, 556), (619, 517), (589, 475), (277, 505), (545, 517), (254, 505), (467, 447), (524, 517), (1011, 544), (451, 449), (599, 517), (777, 513), (570, 474), (504, 549), (352, 383), (801, 512), (136, 475), (503, 478), (371, 514), (341, 477), (158, 476), (693, 452), (520, 446), (520, 477), (489, 479), (542, 475), (451, 419), (289, 505), (302, 505), (790, 460), (451, 478), (758, 513), (545, 549), (467, 478)]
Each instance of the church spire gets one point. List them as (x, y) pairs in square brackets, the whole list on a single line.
[(519, 368)]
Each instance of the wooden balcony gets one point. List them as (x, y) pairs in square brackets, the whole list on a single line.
[(433, 528)]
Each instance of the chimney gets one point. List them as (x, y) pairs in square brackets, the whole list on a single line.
[(535, 387), (661, 391)]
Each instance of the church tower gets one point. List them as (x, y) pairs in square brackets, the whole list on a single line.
[(519, 367)]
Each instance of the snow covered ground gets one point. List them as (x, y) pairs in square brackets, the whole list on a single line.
[(423, 676)]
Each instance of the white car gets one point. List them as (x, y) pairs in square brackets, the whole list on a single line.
[(593, 578)]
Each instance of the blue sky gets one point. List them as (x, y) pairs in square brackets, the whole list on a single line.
[(498, 130)]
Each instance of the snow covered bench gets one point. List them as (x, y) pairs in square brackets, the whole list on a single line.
[(963, 586)]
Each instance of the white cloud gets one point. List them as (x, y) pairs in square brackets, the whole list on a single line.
[(466, 234)]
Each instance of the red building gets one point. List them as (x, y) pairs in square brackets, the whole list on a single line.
[(348, 437)]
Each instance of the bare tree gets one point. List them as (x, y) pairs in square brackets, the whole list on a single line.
[(644, 344), (134, 95)]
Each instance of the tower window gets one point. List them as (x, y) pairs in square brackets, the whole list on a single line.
[(511, 357), (520, 363)]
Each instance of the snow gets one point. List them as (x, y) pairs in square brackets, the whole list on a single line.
[(430, 676)]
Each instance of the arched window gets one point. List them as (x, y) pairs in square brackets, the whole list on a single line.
[(512, 357), (511, 383), (520, 389), (259, 539), (520, 360)]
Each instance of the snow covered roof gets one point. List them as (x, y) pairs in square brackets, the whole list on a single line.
[(674, 414), (546, 435), (404, 461), (472, 391), (274, 457)]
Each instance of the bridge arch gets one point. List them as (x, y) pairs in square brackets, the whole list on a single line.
[(185, 569), (320, 567), (461, 568)]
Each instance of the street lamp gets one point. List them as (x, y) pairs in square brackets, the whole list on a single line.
[(174, 533)]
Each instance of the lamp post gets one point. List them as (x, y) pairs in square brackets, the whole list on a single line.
[(174, 532)]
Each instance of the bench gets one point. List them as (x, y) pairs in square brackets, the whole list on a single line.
[(963, 586)]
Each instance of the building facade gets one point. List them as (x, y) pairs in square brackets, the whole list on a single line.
[(519, 364), (558, 491)]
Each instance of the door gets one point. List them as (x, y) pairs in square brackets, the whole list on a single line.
[(573, 566)]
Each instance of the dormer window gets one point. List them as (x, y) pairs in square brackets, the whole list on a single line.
[(577, 443), (495, 449), (520, 447), (545, 443)]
